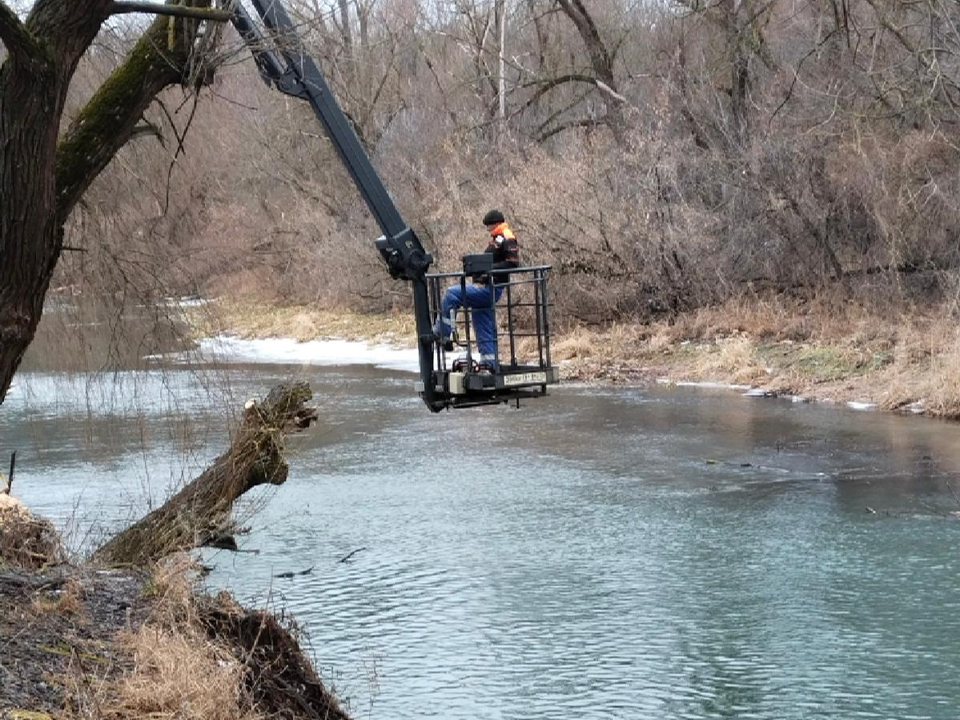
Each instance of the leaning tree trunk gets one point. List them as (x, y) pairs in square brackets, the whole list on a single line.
[(42, 53), (41, 180), (199, 514), (602, 64)]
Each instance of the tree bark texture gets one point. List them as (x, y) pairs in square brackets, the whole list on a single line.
[(107, 121), (33, 87), (200, 513), (41, 182)]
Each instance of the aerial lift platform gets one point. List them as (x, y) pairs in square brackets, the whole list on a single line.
[(524, 369)]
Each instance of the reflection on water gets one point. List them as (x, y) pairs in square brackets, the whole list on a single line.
[(600, 554)]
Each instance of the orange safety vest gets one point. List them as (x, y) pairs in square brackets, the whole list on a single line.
[(504, 245)]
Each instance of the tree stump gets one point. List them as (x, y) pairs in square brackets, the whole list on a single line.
[(199, 514)]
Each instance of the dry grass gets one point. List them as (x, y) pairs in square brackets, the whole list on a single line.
[(177, 674), (26, 541), (168, 667), (926, 369), (826, 348), (730, 359), (68, 601), (173, 582), (780, 318), (302, 323)]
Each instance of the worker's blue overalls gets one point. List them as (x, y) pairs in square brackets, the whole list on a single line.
[(481, 298)]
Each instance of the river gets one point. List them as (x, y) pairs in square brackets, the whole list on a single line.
[(602, 553)]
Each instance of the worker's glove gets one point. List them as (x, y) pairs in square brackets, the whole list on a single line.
[(481, 279)]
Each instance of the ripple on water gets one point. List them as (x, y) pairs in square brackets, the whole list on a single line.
[(673, 554)]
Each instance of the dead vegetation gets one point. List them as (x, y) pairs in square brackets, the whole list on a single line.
[(821, 350), (829, 347), (173, 674), (679, 156), (26, 540), (87, 643), (199, 658), (83, 644), (164, 665), (789, 166), (302, 323)]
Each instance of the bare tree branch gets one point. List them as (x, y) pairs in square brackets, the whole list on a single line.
[(548, 84), (120, 8), (600, 57), (14, 34), (581, 123), (106, 122)]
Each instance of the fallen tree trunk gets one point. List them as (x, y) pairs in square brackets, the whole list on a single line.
[(199, 514)]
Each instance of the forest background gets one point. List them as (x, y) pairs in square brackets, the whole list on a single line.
[(782, 170)]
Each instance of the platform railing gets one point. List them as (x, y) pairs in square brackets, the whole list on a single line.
[(525, 293)]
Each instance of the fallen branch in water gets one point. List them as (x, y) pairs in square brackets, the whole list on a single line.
[(199, 515), (294, 574), (351, 554), (953, 492)]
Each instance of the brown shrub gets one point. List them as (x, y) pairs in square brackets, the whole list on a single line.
[(26, 541)]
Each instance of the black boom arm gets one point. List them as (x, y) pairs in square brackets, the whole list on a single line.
[(284, 64)]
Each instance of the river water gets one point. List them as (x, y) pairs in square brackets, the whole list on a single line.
[(602, 553)]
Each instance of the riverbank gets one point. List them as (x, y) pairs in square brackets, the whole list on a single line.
[(822, 351), (79, 642)]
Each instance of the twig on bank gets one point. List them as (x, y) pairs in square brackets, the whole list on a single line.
[(9, 482), (934, 510)]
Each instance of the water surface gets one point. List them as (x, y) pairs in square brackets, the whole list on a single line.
[(603, 553)]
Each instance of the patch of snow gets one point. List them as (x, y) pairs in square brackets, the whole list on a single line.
[(710, 385), (859, 405), (759, 393), (185, 302), (315, 352)]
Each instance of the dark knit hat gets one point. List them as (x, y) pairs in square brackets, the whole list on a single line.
[(494, 217)]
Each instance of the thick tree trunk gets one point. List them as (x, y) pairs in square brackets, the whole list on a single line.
[(43, 53), (40, 182), (29, 241), (200, 513)]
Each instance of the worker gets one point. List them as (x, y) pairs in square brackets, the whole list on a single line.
[(483, 293)]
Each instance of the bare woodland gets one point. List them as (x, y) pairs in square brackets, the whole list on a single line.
[(662, 156)]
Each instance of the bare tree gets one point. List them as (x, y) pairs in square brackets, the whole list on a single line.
[(41, 178), (597, 74)]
